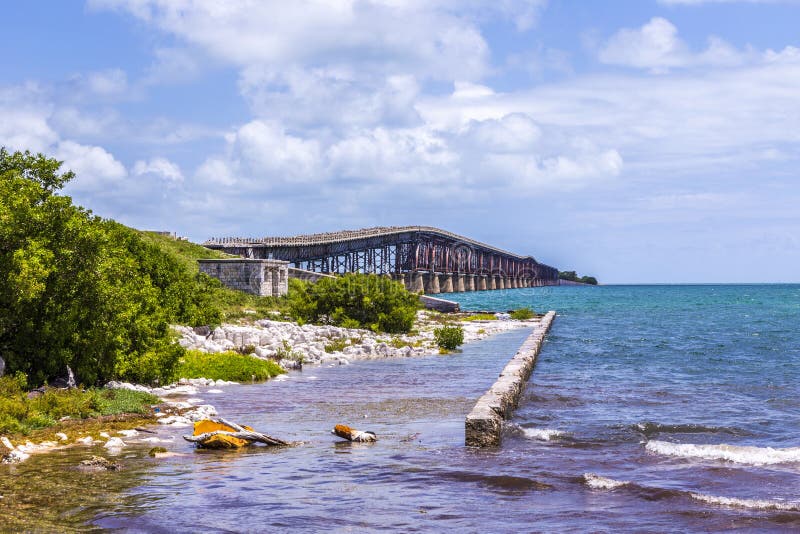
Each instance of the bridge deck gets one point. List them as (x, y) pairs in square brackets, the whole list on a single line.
[(464, 264)]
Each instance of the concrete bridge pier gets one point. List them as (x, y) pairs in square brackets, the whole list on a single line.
[(432, 284), (482, 283), (492, 282), (400, 277), (460, 283), (471, 282), (417, 282), (501, 282), (446, 283)]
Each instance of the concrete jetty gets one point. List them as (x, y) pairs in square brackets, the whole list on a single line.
[(484, 424)]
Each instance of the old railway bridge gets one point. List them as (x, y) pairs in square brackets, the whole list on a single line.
[(424, 258)]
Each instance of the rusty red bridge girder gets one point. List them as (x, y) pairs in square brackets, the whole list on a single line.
[(424, 258)]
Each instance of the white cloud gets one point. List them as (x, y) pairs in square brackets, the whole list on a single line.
[(160, 167), (93, 166), (108, 82), (726, 118), (261, 156), (515, 132), (423, 38), (216, 171), (346, 64), (340, 98), (25, 113), (407, 157), (701, 2), (28, 124), (657, 47)]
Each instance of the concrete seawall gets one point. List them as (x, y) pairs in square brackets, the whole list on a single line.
[(484, 424)]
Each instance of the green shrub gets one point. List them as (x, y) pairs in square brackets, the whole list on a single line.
[(448, 337), (522, 314), (225, 366), (354, 301)]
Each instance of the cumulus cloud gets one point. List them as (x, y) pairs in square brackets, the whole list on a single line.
[(657, 47), (162, 168), (93, 165), (724, 119), (28, 124), (513, 150), (701, 2), (427, 38), (333, 97)]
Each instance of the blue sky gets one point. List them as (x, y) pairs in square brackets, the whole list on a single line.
[(638, 141)]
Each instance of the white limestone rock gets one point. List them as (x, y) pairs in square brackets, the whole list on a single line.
[(114, 443)]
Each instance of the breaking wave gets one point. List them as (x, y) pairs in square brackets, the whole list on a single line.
[(543, 434), (730, 453), (598, 482), (755, 504)]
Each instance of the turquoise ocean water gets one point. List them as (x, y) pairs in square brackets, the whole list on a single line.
[(666, 397)]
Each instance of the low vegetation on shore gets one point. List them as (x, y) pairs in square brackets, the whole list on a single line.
[(228, 366), (22, 413)]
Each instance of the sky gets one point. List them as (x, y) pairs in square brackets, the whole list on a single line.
[(634, 140)]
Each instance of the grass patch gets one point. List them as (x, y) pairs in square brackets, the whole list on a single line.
[(336, 345), (20, 415), (399, 343), (116, 401), (480, 317), (226, 366)]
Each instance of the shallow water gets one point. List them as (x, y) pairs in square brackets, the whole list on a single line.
[(652, 408)]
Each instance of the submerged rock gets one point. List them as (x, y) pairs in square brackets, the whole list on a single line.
[(100, 464), (114, 443), (155, 451)]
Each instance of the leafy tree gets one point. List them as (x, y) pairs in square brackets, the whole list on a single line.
[(571, 276), (80, 291), (522, 314)]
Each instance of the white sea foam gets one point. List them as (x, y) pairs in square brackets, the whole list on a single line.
[(731, 453), (756, 504), (544, 434), (598, 482)]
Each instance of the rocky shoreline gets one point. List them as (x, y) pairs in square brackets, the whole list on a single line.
[(288, 343)]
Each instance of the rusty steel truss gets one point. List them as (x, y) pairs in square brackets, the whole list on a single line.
[(397, 251)]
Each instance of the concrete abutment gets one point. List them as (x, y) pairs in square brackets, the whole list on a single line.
[(484, 424)]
